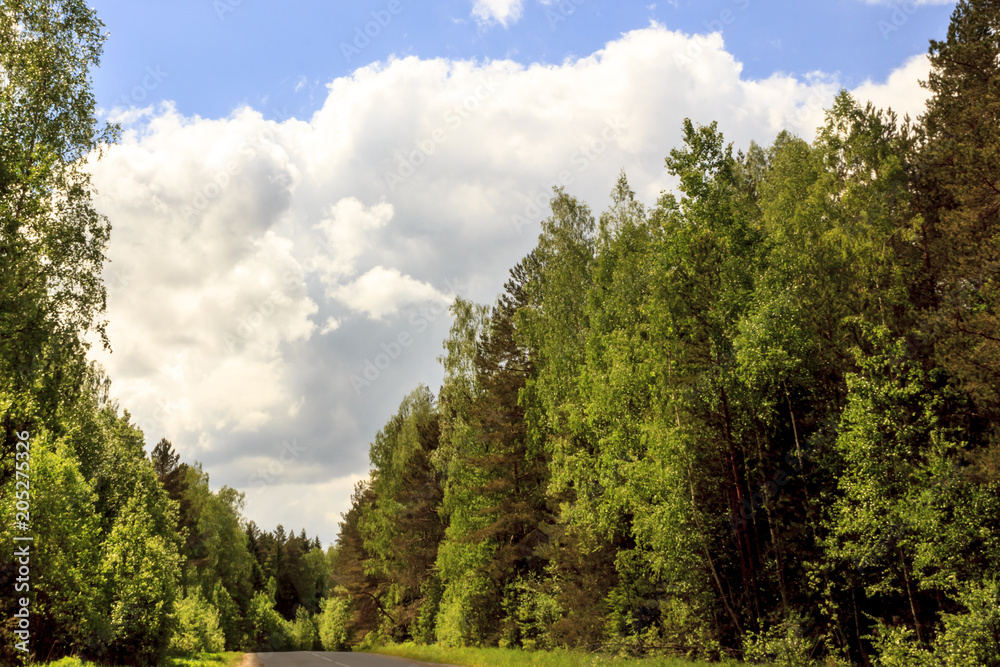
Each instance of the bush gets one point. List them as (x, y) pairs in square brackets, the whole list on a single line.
[(229, 617), (197, 629), (530, 614), (373, 640), (140, 568), (971, 639), (466, 612), (305, 636), (334, 617), (687, 630), (268, 630), (425, 631), (898, 647), (783, 645)]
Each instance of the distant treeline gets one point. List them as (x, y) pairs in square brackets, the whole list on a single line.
[(759, 419)]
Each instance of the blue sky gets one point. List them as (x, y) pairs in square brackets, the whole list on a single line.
[(277, 57), (293, 211)]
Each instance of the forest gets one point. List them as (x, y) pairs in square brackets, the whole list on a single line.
[(758, 420)]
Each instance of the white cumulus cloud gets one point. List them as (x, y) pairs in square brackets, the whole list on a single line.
[(504, 12), (256, 266)]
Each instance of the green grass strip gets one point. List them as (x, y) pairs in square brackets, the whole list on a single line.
[(231, 659), (498, 657)]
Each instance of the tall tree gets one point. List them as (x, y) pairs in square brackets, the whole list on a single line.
[(52, 240), (402, 528), (958, 182)]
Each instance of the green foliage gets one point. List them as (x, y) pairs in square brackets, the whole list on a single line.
[(230, 659), (756, 419), (268, 631), (141, 571), (687, 630), (333, 620), (466, 614), (972, 637), (197, 626), (426, 626), (783, 645), (967, 639), (105, 576), (957, 162), (529, 614), (305, 634), (372, 640), (402, 528), (69, 593), (718, 425), (476, 657), (216, 546), (230, 620), (52, 241)]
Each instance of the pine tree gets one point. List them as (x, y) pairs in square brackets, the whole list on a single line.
[(958, 182)]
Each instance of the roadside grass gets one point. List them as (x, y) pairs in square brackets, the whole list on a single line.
[(230, 659), (499, 657)]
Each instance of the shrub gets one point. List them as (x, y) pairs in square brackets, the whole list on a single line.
[(971, 639), (305, 636), (334, 617), (268, 630), (783, 644), (197, 629)]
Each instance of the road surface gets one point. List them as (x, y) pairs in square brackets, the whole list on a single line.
[(320, 659)]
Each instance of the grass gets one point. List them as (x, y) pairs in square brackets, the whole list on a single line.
[(197, 660), (498, 657), (206, 660)]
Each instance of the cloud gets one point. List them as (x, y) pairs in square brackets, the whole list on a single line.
[(382, 292), (258, 266), (504, 12), (348, 228), (332, 324), (322, 502), (899, 91)]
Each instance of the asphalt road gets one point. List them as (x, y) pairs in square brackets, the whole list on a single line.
[(318, 659)]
